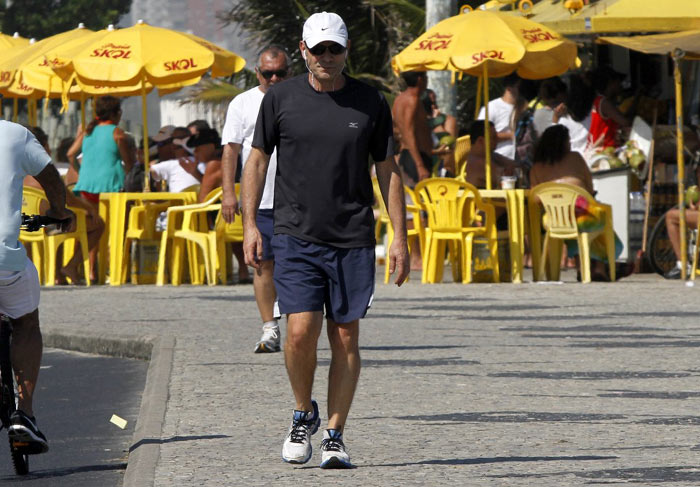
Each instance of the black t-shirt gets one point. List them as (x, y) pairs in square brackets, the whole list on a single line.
[(324, 141)]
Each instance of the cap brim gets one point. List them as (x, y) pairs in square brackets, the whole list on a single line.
[(161, 137), (311, 41)]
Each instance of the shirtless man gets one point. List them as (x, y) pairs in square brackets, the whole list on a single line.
[(476, 158), (411, 129)]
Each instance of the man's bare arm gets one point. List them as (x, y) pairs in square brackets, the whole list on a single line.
[(229, 203), (55, 191), (391, 187), (252, 184)]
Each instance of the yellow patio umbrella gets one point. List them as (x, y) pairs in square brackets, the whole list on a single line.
[(143, 54), (678, 45), (486, 43), (32, 65), (9, 46), (12, 41)]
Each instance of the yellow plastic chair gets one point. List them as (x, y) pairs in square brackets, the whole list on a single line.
[(452, 208), (415, 234), (462, 148), (142, 226), (558, 202), (189, 224), (45, 246)]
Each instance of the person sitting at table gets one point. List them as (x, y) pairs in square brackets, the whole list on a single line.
[(95, 225), (609, 126), (106, 155), (555, 161), (191, 156), (476, 158)]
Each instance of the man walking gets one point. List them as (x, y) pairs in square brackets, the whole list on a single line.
[(273, 67), (325, 126)]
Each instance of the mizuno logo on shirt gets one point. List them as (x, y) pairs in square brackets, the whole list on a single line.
[(354, 125)]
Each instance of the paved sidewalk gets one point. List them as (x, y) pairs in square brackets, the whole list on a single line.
[(475, 385)]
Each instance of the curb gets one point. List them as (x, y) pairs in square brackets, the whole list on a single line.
[(144, 451)]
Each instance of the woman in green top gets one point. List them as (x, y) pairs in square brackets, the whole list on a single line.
[(104, 148)]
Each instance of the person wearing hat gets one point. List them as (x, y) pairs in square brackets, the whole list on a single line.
[(164, 140), (273, 67), (182, 170), (326, 127)]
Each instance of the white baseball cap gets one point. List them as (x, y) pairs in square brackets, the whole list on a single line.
[(325, 26)]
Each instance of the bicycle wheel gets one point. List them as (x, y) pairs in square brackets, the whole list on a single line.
[(19, 460), (659, 250)]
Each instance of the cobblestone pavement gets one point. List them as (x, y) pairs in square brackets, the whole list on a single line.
[(476, 385)]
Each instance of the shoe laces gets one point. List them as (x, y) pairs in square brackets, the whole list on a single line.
[(299, 432), (270, 332), (332, 444)]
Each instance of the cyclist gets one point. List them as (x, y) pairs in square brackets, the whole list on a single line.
[(21, 155)]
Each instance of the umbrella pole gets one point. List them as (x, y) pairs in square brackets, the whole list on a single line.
[(82, 110), (144, 114), (477, 103), (679, 154), (487, 126), (15, 109)]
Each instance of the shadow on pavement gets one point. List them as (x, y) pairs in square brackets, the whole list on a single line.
[(172, 439)]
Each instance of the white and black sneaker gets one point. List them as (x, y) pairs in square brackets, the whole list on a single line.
[(270, 340), (25, 435), (333, 454), (297, 445)]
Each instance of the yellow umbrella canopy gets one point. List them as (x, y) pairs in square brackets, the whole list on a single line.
[(505, 43), (486, 43), (12, 41), (644, 15), (124, 57), (32, 65), (145, 55)]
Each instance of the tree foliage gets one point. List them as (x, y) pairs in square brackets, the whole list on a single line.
[(44, 18), (378, 29)]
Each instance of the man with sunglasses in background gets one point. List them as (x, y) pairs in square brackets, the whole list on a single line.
[(325, 127), (273, 66)]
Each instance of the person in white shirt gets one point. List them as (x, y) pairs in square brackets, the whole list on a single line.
[(501, 115), (553, 93), (22, 155), (273, 66), (182, 171)]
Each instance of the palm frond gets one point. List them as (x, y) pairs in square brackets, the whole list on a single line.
[(211, 91)]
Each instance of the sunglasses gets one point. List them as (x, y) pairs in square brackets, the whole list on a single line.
[(268, 74), (320, 49)]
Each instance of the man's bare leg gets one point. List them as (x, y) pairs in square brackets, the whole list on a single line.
[(673, 227), (25, 354), (303, 330), (344, 371), (264, 287)]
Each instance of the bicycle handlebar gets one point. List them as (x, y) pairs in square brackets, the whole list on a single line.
[(32, 223)]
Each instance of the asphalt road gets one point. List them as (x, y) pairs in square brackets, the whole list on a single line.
[(78, 395)]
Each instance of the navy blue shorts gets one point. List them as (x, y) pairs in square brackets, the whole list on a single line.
[(265, 222), (311, 277)]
